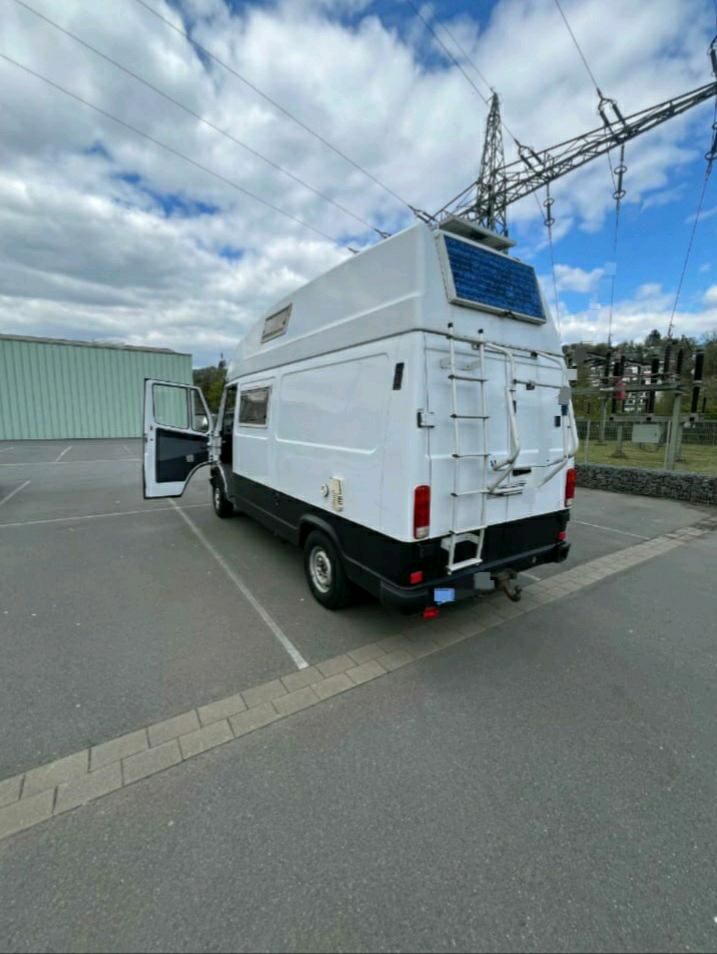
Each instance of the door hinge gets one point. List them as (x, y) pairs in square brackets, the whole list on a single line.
[(423, 418)]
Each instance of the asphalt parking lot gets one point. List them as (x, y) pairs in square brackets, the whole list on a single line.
[(548, 784)]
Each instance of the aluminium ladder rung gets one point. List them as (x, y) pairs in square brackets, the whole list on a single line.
[(466, 377), (471, 417), (462, 564), (467, 493), (468, 456)]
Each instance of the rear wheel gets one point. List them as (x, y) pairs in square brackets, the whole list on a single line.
[(325, 573), (223, 507)]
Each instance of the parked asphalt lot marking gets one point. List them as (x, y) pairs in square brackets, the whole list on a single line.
[(90, 516), (625, 533), (52, 789), (13, 492), (51, 463), (293, 652), (3, 449), (60, 456), (531, 576)]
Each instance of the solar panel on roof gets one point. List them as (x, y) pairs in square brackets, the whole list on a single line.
[(482, 277)]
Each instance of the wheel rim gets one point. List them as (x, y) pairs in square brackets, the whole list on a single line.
[(320, 569), (217, 498)]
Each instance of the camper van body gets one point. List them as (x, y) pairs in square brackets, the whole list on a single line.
[(412, 405)]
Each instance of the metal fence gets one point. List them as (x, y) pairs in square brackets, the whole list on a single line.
[(613, 443), (700, 432)]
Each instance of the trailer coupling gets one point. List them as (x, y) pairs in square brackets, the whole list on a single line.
[(505, 580)]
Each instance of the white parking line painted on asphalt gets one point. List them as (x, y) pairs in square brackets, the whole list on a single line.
[(51, 463), (3, 449), (296, 656), (13, 492), (625, 533), (60, 456), (93, 516), (531, 576)]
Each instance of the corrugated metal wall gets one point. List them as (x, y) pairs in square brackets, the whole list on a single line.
[(52, 390)]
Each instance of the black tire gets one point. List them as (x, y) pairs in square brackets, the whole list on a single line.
[(325, 572), (223, 507)]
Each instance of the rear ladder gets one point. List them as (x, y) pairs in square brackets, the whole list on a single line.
[(488, 487)]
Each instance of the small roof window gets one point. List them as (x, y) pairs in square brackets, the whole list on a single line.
[(276, 324)]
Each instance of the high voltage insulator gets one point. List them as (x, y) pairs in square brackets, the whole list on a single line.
[(699, 366)]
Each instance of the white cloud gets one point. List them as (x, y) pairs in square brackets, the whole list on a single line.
[(635, 317), (577, 279), (88, 249)]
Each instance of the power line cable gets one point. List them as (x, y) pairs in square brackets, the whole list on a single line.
[(199, 118), (282, 109), (578, 47), (465, 55), (616, 183), (711, 156), (170, 149), (590, 74), (549, 222), (443, 46)]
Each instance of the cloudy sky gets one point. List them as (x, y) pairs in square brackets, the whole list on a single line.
[(104, 234)]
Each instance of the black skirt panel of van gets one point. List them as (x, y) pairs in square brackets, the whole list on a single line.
[(372, 558)]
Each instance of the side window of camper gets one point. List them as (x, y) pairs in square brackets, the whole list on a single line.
[(254, 407)]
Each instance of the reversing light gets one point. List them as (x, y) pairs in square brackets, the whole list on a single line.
[(421, 511), (570, 487)]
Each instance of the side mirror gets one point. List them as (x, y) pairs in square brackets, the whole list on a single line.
[(202, 422)]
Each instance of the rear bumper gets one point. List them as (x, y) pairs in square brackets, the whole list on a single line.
[(413, 599)]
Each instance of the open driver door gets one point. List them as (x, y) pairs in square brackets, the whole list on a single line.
[(177, 436)]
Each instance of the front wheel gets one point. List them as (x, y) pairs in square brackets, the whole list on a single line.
[(325, 572), (223, 507)]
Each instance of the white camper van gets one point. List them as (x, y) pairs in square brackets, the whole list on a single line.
[(405, 418)]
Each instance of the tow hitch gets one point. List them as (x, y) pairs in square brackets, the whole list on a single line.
[(506, 581)]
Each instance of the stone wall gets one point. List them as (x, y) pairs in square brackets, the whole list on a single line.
[(694, 488)]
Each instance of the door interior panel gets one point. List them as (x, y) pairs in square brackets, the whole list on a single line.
[(178, 455)]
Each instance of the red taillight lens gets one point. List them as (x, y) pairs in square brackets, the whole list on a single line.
[(416, 577), (562, 535), (570, 487), (421, 511), (430, 612)]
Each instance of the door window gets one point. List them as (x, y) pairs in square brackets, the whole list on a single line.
[(200, 419), (171, 406), (254, 407), (230, 403)]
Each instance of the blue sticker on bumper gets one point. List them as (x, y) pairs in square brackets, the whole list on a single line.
[(444, 594)]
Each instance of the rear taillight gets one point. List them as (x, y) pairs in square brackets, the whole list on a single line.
[(421, 511), (570, 487)]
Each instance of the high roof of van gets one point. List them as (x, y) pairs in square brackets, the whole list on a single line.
[(403, 283)]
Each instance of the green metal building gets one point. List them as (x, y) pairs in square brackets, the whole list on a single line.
[(57, 389)]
